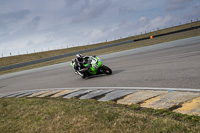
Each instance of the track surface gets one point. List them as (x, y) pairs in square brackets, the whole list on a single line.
[(174, 64)]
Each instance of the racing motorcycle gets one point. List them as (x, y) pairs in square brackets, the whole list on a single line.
[(93, 66)]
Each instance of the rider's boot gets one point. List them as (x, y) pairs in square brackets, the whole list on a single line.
[(76, 72)]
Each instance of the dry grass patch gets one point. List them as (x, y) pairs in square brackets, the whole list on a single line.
[(73, 115)]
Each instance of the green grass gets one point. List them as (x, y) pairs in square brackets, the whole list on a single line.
[(23, 58), (72, 115)]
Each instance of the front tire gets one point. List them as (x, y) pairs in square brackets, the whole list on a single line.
[(85, 76), (106, 70)]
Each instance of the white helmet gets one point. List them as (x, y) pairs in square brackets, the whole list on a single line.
[(79, 57)]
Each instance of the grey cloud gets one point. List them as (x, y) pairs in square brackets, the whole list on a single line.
[(172, 5), (29, 28), (30, 43), (91, 10), (125, 9), (130, 28), (70, 3), (34, 23), (2, 2), (13, 16), (9, 20), (194, 13)]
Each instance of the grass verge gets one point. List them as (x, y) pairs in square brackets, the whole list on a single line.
[(73, 115)]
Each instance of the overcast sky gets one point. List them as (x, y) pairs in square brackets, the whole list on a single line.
[(28, 25)]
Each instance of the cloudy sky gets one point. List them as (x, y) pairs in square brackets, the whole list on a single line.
[(33, 25)]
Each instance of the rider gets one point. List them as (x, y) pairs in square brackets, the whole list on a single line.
[(78, 62)]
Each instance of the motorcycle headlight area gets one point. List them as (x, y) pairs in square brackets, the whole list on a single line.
[(99, 59)]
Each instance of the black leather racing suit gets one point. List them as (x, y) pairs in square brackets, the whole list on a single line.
[(78, 65)]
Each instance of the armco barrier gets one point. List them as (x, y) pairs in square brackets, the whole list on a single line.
[(60, 56), (88, 50), (159, 35)]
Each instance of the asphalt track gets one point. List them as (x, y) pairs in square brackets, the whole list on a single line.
[(173, 64)]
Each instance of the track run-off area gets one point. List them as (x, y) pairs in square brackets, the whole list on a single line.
[(157, 69)]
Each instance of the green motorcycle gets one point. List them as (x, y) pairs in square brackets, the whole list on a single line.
[(93, 66)]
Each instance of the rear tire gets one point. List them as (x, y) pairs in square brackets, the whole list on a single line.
[(106, 70)]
